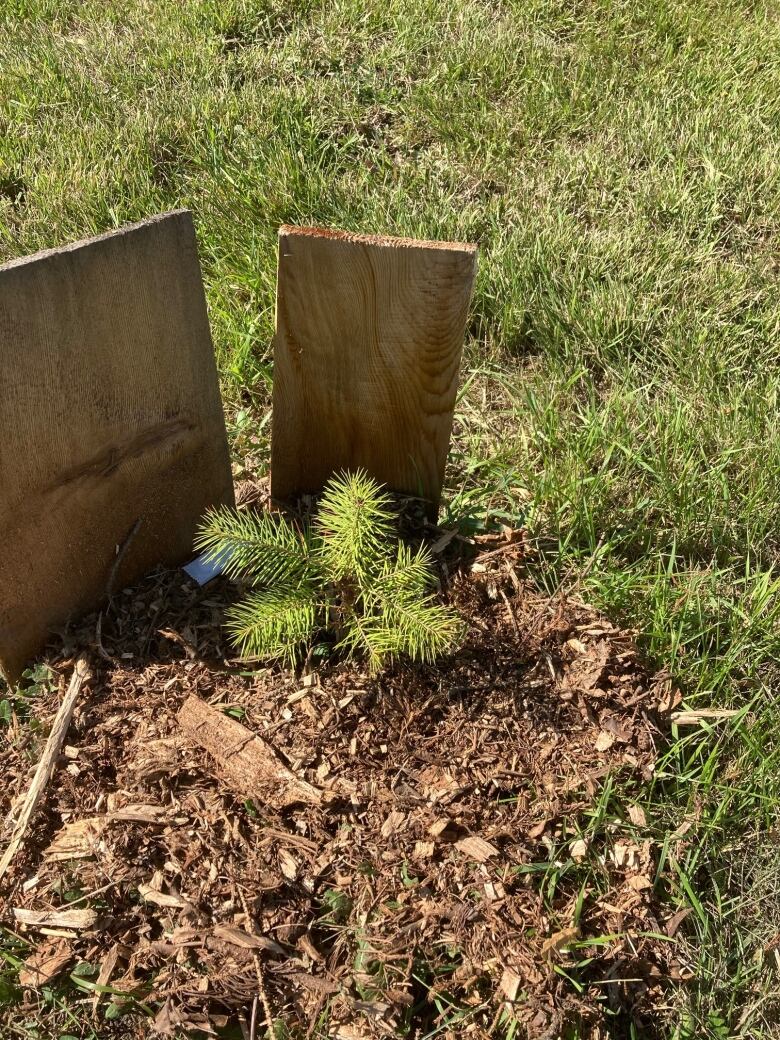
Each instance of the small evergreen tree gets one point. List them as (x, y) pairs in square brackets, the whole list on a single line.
[(346, 574)]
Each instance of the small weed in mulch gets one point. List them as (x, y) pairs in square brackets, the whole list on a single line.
[(468, 870)]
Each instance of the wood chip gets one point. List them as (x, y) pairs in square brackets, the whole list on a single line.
[(298, 695), (77, 840), (45, 964), (245, 762), (394, 822), (107, 966), (616, 728), (307, 946), (579, 850), (238, 937), (510, 984), (140, 813), (494, 891), (604, 741), (624, 855), (423, 850), (73, 919), (444, 829), (443, 540), (637, 815), (538, 829), (559, 941), (577, 645), (165, 899), (639, 883), (289, 864), (476, 848), (315, 984), (674, 922)]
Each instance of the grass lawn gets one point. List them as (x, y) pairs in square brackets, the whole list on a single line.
[(619, 164)]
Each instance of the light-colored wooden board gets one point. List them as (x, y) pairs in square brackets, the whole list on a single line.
[(110, 422), (369, 335)]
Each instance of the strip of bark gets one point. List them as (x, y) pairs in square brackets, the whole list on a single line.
[(245, 762)]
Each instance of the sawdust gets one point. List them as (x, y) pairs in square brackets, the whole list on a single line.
[(447, 868)]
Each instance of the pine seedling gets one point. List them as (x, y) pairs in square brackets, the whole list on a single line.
[(346, 577)]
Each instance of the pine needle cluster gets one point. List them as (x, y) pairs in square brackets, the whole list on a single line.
[(344, 576)]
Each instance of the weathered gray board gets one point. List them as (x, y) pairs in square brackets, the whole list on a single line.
[(110, 421)]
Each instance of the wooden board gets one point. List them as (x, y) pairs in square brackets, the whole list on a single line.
[(110, 421), (369, 334)]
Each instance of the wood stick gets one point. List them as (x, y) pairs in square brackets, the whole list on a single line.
[(122, 552), (45, 770), (76, 919), (262, 991)]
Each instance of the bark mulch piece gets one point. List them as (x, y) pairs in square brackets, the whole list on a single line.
[(452, 870)]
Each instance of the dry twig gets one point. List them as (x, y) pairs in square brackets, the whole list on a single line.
[(45, 770), (269, 1020)]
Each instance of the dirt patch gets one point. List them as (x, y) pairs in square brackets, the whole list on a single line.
[(465, 867)]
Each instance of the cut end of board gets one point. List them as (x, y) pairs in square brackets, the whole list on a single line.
[(384, 241)]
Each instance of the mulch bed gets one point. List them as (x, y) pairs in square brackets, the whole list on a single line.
[(442, 882)]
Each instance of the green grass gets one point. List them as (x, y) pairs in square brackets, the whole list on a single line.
[(619, 164)]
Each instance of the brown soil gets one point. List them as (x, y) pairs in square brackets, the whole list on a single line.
[(440, 884)]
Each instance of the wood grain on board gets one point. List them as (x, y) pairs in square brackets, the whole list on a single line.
[(111, 423), (369, 335)]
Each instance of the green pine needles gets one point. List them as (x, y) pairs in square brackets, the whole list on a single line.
[(345, 576)]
